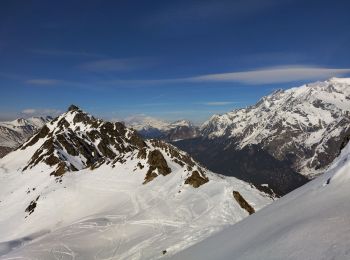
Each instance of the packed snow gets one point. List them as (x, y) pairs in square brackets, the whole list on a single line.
[(311, 222), (107, 212)]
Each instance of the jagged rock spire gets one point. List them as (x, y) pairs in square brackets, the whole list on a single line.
[(73, 108)]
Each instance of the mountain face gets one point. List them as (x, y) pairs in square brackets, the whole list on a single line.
[(301, 128), (83, 188), (149, 127), (311, 222), (14, 133)]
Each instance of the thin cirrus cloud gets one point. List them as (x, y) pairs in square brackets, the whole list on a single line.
[(55, 52), (282, 74), (123, 64), (40, 112), (269, 75), (218, 103), (43, 82), (57, 82)]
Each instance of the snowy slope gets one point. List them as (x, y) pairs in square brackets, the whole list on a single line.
[(311, 222), (303, 125), (83, 188), (16, 132)]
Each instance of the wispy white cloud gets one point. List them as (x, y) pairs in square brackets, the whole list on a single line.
[(40, 112), (29, 111), (54, 52), (280, 74), (126, 64), (218, 103), (60, 82), (267, 75), (43, 82)]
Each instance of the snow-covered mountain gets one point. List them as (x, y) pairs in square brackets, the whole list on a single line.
[(311, 222), (300, 127), (149, 127), (82, 188), (14, 133)]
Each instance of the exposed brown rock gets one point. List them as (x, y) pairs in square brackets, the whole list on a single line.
[(196, 179), (157, 162), (73, 108), (52, 160), (60, 170), (136, 140), (150, 175), (32, 206), (142, 154), (67, 145), (4, 150), (178, 157), (243, 203), (84, 118), (105, 150), (41, 134), (140, 165)]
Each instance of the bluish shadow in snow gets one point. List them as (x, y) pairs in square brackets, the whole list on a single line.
[(8, 246)]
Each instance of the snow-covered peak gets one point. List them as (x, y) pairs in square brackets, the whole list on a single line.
[(88, 178), (150, 127), (140, 122), (13, 133), (306, 120), (182, 123), (340, 80), (76, 140), (33, 121)]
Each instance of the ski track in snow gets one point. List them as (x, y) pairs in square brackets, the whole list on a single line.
[(108, 213), (312, 222), (115, 232)]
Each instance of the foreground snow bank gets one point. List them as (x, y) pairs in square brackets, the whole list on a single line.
[(311, 222)]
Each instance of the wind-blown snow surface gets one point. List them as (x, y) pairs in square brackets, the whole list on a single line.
[(108, 213), (311, 222)]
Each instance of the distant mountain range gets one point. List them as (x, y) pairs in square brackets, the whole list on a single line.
[(285, 139), (14, 133), (94, 189), (137, 197), (278, 144), (149, 127)]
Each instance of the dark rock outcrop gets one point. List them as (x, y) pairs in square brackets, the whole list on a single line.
[(243, 203), (157, 165), (30, 209), (196, 179)]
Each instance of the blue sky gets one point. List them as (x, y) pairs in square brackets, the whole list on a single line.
[(167, 59)]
